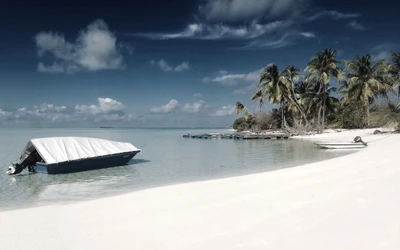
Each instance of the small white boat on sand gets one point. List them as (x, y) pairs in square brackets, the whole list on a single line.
[(357, 144), (341, 145)]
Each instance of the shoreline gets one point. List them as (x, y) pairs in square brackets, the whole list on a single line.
[(349, 201)]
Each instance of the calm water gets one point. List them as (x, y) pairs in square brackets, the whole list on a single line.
[(166, 158)]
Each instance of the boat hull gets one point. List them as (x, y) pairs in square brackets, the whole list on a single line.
[(85, 164), (340, 145)]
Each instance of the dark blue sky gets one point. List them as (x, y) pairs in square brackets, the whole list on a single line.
[(167, 63)]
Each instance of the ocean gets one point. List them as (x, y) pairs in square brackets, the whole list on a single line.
[(166, 159)]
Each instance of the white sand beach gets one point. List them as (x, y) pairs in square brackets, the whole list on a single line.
[(351, 202)]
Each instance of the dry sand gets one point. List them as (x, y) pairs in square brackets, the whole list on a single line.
[(350, 202)]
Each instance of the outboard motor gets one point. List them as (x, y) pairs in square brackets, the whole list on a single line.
[(358, 139), (15, 169)]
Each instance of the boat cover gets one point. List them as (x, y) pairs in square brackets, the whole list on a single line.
[(62, 149)]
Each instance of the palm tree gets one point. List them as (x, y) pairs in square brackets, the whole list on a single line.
[(366, 81), (239, 108), (272, 85), (291, 73), (314, 101), (394, 70), (258, 97), (321, 68)]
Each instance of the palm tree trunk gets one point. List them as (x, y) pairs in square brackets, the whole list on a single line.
[(283, 115), (299, 109), (368, 123), (322, 106), (323, 111), (294, 100), (319, 117)]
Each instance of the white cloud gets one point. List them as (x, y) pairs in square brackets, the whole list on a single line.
[(129, 48), (250, 88), (383, 51), (225, 111), (105, 106), (206, 80), (356, 25), (197, 95), (240, 92), (277, 42), (167, 108), (94, 49), (226, 79), (173, 106), (108, 105), (246, 83), (274, 44), (182, 67), (333, 14), (196, 107), (307, 34), (166, 67), (5, 115), (50, 108), (218, 31), (250, 83), (238, 10)]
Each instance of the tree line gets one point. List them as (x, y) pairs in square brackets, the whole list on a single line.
[(312, 102)]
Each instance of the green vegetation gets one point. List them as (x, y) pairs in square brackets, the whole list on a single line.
[(311, 102)]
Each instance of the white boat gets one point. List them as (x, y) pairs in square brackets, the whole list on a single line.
[(60, 155), (341, 145)]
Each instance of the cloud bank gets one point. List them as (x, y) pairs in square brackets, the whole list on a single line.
[(105, 110), (261, 24)]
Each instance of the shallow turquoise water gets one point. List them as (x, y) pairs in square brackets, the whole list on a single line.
[(166, 158)]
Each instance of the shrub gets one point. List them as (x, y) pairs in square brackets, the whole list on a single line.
[(260, 121), (384, 115), (266, 120), (352, 115), (238, 122)]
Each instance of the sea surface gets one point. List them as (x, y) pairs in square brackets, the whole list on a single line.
[(166, 159)]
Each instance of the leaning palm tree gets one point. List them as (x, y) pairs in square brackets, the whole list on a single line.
[(272, 86), (239, 108), (321, 68), (258, 97), (366, 81), (291, 74)]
